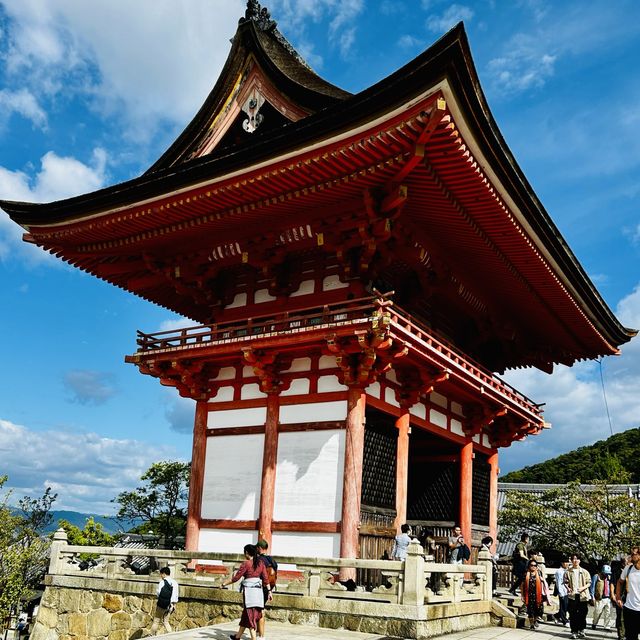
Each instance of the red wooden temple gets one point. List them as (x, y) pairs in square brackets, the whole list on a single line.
[(359, 268)]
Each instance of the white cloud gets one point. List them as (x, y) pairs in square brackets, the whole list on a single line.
[(85, 469), (24, 103), (449, 18), (574, 398), (58, 178), (88, 48), (89, 387), (408, 41), (175, 323)]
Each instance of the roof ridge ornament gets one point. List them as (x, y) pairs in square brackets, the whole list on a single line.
[(258, 14), (261, 17)]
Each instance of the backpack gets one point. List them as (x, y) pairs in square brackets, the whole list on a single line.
[(464, 552), (272, 570), (164, 597)]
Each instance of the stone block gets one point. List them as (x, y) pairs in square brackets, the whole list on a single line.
[(195, 609), (140, 619), (39, 631), (48, 617), (132, 603), (50, 597), (112, 602), (120, 620), (119, 634), (331, 620), (77, 624), (351, 623), (401, 628), (231, 611), (309, 618), (181, 610), (69, 601), (278, 615), (98, 623), (90, 600), (373, 625)]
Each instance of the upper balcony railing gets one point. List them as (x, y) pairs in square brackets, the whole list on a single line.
[(344, 313)]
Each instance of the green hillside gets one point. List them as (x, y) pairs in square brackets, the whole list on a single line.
[(616, 460)]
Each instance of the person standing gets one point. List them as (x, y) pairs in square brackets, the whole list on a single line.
[(534, 593), (401, 543), (485, 545), (272, 572), (519, 562), (577, 581), (167, 592), (617, 566), (255, 579), (455, 543), (601, 596), (563, 594), (630, 579)]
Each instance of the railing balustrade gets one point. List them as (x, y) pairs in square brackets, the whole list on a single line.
[(413, 581)]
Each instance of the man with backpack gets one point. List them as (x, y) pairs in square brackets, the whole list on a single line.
[(167, 592), (272, 571)]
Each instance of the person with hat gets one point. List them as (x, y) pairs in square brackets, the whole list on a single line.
[(601, 596), (272, 571)]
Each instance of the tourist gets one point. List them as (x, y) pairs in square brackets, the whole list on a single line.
[(485, 545), (272, 572), (630, 579), (533, 590), (167, 592), (401, 543), (577, 581), (617, 567), (519, 562), (601, 597), (456, 546), (562, 593), (255, 580)]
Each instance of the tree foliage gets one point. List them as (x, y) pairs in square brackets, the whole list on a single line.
[(92, 534), (593, 521), (23, 548), (160, 503), (614, 460)]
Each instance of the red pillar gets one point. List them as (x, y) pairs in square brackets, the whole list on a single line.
[(197, 476), (269, 461), (402, 467), (466, 480), (352, 479), (493, 498)]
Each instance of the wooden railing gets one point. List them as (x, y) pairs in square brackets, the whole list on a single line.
[(413, 581), (359, 311)]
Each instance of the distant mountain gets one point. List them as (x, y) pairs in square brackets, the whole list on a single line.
[(616, 459), (79, 520)]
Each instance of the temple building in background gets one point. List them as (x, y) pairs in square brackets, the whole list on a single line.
[(358, 268)]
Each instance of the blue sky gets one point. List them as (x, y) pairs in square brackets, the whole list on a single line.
[(91, 93)]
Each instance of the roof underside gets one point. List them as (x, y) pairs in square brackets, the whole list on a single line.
[(481, 234)]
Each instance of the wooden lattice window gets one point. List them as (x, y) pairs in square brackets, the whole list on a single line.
[(379, 463)]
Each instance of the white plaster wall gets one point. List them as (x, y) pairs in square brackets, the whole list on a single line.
[(456, 408), (225, 541), (299, 386), (314, 545), (390, 397), (439, 399), (374, 390), (329, 383), (226, 373), (240, 300), (232, 477), (419, 410), (437, 418), (248, 372), (248, 417), (476, 438), (485, 440), (306, 287), (309, 476), (313, 412), (333, 282), (225, 394), (299, 364), (456, 427), (251, 391), (262, 295), (327, 362), (391, 375)]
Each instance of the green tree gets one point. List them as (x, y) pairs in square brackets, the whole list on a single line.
[(23, 548), (594, 521), (161, 503), (91, 535)]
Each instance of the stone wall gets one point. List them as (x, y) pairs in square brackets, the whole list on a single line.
[(124, 611)]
